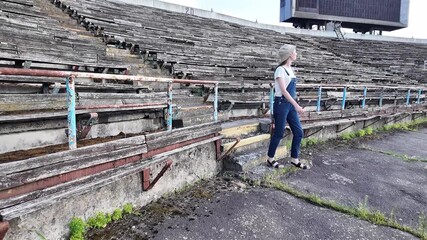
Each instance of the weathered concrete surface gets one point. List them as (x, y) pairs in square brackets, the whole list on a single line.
[(248, 159), (348, 175), (412, 144), (266, 214), (52, 222), (230, 209), (226, 208), (43, 137)]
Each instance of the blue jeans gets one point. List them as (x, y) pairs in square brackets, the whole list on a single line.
[(283, 112)]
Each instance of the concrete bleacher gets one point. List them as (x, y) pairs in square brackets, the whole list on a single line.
[(115, 118), (36, 34), (218, 51), (31, 32), (403, 61), (241, 57)]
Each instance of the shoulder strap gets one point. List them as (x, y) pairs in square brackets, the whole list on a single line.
[(283, 69), (286, 70)]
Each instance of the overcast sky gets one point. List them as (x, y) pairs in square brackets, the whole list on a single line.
[(267, 11)]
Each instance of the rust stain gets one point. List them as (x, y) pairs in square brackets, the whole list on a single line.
[(4, 227)]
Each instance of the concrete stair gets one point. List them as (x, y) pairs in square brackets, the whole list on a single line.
[(192, 109), (252, 147), (195, 115)]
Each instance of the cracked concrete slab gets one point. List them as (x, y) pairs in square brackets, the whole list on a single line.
[(269, 214), (226, 208), (348, 175), (412, 144)]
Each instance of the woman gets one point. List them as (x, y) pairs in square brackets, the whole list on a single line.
[(286, 109)]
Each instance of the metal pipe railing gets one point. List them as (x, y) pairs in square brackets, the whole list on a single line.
[(354, 86), (319, 98), (216, 103), (408, 97), (271, 100), (344, 97), (169, 116), (71, 98), (365, 92), (71, 104), (65, 74), (131, 105), (345, 89)]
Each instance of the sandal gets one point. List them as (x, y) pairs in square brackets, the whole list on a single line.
[(300, 165), (275, 164)]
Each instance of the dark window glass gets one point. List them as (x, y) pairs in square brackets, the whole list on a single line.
[(386, 10), (307, 4)]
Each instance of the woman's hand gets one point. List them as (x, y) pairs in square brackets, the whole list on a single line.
[(299, 109)]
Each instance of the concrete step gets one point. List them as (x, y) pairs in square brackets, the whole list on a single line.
[(248, 143), (191, 116), (240, 131), (246, 160), (244, 128), (197, 119), (253, 145), (188, 101), (186, 112)]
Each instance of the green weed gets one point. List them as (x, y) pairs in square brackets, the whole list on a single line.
[(348, 136), (361, 133), (127, 208), (77, 229), (100, 220), (117, 214), (309, 142), (422, 222), (409, 126)]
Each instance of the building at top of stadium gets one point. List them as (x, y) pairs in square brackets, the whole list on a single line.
[(359, 15)]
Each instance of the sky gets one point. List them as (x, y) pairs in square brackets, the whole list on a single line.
[(267, 11)]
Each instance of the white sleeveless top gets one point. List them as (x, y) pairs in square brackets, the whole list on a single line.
[(281, 73)]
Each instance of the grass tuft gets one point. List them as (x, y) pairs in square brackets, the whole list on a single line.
[(77, 229), (100, 220), (78, 226), (409, 126), (422, 222), (117, 215), (128, 208)]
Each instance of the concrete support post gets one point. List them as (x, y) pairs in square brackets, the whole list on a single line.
[(419, 96), (71, 104), (381, 97)]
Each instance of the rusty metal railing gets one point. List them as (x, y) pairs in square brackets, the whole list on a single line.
[(71, 98), (345, 88)]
